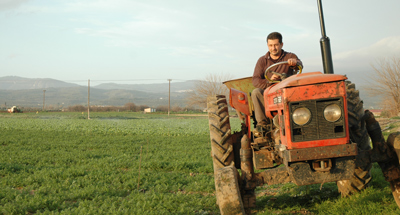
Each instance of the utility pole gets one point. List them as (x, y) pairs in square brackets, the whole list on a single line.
[(169, 95), (88, 100), (44, 93)]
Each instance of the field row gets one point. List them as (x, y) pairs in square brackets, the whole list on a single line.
[(133, 163)]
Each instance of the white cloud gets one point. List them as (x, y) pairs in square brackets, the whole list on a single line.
[(384, 47), (361, 59)]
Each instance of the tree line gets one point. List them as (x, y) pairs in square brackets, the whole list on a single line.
[(130, 106)]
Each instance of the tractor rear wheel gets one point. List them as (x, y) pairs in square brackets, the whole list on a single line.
[(225, 174), (358, 134), (394, 141)]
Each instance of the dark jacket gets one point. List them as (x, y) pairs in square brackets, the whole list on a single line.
[(265, 61)]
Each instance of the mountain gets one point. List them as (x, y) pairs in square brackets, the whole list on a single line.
[(151, 88), (19, 83), (26, 92), (63, 97)]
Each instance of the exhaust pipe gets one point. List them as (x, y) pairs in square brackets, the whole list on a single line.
[(325, 44)]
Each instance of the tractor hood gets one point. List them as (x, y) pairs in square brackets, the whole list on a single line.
[(307, 79)]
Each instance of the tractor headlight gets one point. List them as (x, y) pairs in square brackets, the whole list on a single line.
[(301, 116), (332, 113)]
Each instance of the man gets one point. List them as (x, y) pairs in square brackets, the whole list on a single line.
[(274, 55)]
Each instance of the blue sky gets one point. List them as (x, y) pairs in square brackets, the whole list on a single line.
[(154, 40)]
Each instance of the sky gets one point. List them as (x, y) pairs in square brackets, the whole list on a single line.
[(150, 41)]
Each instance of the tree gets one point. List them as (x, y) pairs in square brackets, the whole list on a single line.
[(385, 82), (130, 106), (211, 85)]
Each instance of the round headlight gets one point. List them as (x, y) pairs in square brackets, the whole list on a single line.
[(301, 116), (332, 113)]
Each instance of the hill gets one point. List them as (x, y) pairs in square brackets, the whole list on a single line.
[(26, 92), (151, 88), (19, 83), (63, 97)]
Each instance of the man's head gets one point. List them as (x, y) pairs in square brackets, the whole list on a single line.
[(275, 44)]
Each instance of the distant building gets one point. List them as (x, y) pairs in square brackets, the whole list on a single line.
[(14, 109), (149, 110)]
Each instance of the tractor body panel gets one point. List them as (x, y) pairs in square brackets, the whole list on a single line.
[(283, 98), (239, 96), (240, 101)]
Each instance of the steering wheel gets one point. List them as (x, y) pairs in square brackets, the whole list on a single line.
[(282, 75)]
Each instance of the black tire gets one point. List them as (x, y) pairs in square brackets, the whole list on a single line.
[(359, 135), (220, 132), (394, 141), (226, 175)]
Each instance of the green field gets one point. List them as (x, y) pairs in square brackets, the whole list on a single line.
[(62, 163)]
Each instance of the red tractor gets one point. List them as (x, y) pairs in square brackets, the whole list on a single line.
[(318, 133)]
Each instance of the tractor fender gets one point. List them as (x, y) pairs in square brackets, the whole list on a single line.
[(240, 101)]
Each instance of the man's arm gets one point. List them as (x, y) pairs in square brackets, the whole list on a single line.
[(258, 76)]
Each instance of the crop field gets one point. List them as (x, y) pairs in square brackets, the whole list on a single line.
[(133, 163)]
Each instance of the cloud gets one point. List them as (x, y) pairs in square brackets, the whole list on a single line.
[(127, 23), (11, 4), (362, 57)]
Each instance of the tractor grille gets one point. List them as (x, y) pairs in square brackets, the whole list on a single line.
[(318, 127)]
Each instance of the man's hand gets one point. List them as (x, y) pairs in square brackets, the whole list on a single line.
[(292, 61), (275, 77)]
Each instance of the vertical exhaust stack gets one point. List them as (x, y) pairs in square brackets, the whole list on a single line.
[(325, 44)]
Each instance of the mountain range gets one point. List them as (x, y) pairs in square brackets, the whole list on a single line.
[(29, 92), (32, 92)]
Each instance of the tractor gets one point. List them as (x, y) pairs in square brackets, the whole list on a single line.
[(318, 132)]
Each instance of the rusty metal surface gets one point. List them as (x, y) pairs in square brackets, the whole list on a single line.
[(242, 84), (240, 105), (263, 158), (278, 102), (277, 175), (310, 78), (302, 174), (295, 155)]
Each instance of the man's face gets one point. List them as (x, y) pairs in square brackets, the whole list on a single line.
[(274, 47)]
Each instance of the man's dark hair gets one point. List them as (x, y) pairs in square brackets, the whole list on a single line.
[(274, 36)]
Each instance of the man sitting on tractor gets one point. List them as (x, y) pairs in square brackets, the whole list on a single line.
[(274, 55)]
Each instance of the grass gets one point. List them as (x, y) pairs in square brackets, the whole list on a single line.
[(62, 163)]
